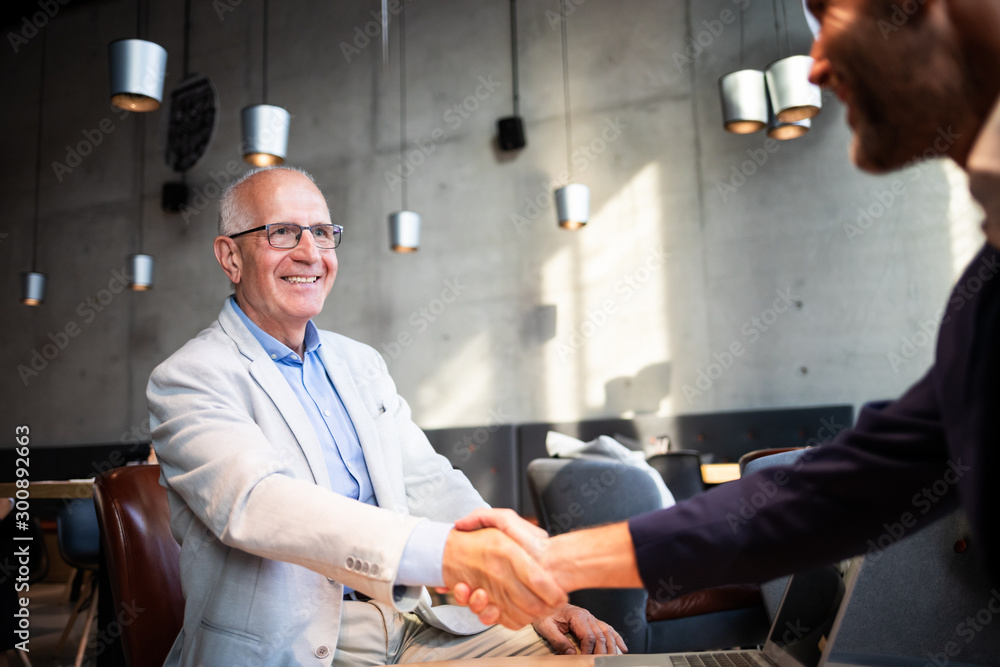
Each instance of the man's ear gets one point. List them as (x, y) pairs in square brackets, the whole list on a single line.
[(228, 255)]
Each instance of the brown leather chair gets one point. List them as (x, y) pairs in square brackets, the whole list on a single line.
[(143, 561)]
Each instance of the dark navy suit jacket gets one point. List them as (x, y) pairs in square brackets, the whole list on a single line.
[(904, 464)]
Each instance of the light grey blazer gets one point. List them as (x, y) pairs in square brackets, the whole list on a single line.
[(266, 545)]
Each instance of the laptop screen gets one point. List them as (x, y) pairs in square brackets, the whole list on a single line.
[(805, 617)]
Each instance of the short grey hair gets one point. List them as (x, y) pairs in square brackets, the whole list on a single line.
[(234, 213)]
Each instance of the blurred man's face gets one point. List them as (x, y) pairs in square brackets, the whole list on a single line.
[(280, 290), (900, 76)]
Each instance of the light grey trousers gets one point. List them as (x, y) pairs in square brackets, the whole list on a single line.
[(373, 633)]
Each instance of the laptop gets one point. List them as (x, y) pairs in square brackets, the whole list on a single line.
[(812, 603)]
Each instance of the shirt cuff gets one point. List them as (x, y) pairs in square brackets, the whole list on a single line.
[(423, 555)]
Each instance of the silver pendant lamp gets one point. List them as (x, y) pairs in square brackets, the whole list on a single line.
[(265, 126), (744, 96), (793, 98), (572, 199), (32, 282), (139, 270), (404, 225), (136, 71)]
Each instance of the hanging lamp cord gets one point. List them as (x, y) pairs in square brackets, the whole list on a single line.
[(264, 56), (38, 159), (513, 57), (402, 97), (565, 60)]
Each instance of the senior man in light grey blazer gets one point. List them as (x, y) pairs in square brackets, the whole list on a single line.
[(310, 509)]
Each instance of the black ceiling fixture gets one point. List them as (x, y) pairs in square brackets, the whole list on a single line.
[(511, 128)]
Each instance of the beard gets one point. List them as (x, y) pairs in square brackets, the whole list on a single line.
[(904, 96)]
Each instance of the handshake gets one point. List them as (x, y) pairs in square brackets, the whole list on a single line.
[(511, 572)]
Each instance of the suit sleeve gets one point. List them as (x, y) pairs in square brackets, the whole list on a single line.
[(256, 493), (867, 488)]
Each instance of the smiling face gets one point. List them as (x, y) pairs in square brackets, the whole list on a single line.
[(902, 77), (280, 290)]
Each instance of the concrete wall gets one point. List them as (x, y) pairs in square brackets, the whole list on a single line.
[(626, 316)]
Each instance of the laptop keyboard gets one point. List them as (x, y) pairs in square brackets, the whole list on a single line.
[(728, 659)]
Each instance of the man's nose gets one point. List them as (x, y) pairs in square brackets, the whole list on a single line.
[(306, 250), (819, 74)]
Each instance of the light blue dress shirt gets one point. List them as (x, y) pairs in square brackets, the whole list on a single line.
[(345, 460)]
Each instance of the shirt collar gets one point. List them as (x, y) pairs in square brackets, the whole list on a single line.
[(275, 349)]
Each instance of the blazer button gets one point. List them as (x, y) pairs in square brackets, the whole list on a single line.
[(322, 651), (349, 563), (374, 571), (364, 568)]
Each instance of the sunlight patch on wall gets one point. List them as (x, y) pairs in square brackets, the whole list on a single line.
[(611, 348), (460, 386)]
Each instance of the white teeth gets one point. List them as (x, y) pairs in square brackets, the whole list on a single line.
[(300, 279)]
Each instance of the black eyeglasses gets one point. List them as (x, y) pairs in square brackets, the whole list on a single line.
[(286, 235)]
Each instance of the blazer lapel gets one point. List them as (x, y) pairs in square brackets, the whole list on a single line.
[(364, 424), (270, 379)]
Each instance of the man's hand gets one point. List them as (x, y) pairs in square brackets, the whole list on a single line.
[(503, 573), (593, 635), (532, 538)]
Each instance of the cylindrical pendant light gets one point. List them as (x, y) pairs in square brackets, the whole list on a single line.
[(744, 98), (265, 127), (572, 199), (140, 272), (785, 131), (404, 226), (792, 96), (404, 231), (33, 288), (744, 101), (265, 134), (137, 69), (32, 282), (573, 205)]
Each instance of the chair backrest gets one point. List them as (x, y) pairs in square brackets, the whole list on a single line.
[(78, 535), (925, 596), (143, 560), (681, 471), (576, 493), (761, 453), (773, 590)]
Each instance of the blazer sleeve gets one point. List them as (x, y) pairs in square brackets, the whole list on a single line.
[(253, 490), (867, 488)]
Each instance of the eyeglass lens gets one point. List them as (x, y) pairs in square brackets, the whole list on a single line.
[(287, 235)]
